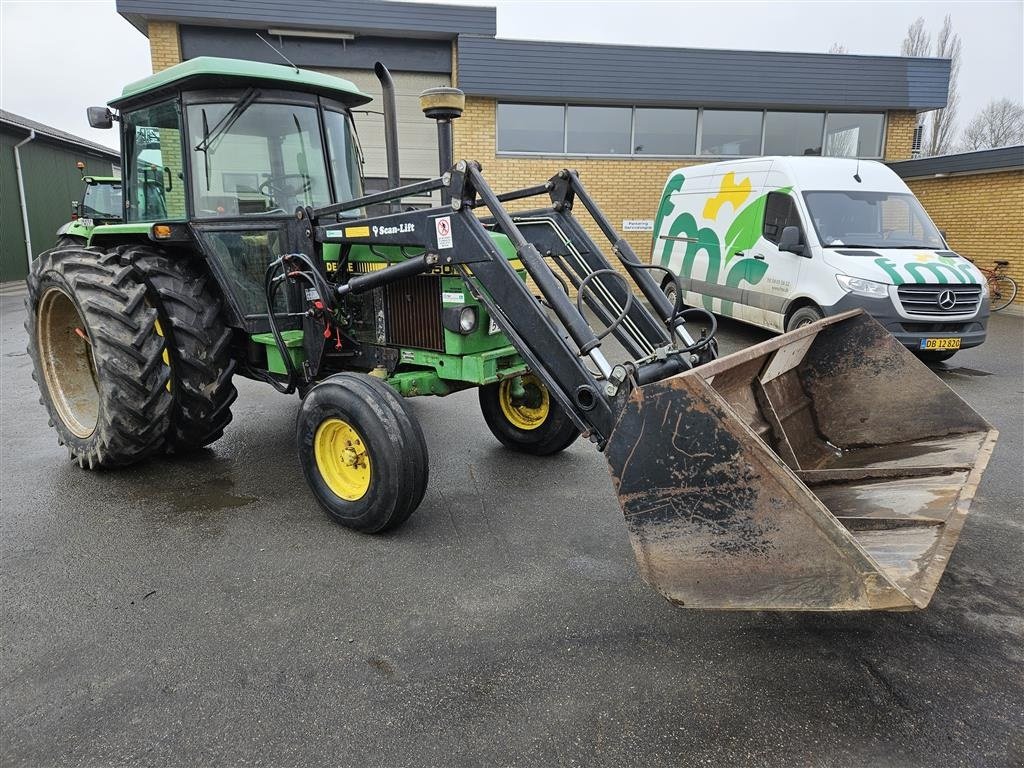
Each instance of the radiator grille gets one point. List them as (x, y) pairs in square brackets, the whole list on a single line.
[(940, 300), (414, 313)]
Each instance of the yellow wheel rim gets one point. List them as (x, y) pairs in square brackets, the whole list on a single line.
[(342, 458), (527, 411)]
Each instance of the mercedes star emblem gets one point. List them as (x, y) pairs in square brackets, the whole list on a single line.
[(947, 300)]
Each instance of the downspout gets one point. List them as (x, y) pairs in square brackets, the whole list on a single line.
[(21, 194)]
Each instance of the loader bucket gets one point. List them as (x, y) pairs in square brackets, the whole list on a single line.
[(824, 470)]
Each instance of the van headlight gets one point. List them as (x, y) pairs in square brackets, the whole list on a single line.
[(862, 287), (984, 288)]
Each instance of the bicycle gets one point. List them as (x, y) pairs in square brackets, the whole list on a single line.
[(1002, 289)]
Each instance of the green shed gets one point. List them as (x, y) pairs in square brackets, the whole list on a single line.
[(50, 181)]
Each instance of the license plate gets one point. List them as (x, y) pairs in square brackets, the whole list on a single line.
[(492, 328), (940, 343)]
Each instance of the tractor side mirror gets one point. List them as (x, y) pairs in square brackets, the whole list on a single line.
[(100, 117), (790, 241)]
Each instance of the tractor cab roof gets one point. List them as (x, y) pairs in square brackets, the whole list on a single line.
[(212, 72)]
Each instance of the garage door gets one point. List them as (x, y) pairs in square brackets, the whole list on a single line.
[(417, 136)]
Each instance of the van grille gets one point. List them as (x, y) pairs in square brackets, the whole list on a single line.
[(939, 300)]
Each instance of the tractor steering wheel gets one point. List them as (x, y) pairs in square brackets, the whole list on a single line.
[(281, 185)]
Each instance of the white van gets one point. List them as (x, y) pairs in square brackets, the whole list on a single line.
[(780, 242)]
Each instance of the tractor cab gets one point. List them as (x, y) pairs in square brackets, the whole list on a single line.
[(225, 151)]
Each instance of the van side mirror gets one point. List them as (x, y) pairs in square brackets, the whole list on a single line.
[(790, 241), (100, 117)]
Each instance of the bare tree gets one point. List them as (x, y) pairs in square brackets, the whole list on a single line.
[(917, 42), (999, 124), (948, 46), (837, 48), (941, 127)]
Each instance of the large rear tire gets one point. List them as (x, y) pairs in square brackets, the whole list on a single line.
[(69, 241), (362, 452), (523, 416), (97, 357), (198, 343)]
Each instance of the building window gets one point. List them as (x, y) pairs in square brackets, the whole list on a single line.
[(598, 130), (730, 132), (853, 135), (793, 133), (664, 131), (576, 129), (531, 128)]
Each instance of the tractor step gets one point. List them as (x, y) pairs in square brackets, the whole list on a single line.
[(826, 469)]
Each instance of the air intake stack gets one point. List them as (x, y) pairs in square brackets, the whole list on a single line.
[(444, 105)]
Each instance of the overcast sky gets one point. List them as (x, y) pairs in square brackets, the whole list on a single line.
[(58, 57)]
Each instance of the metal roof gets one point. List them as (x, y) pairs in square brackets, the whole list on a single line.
[(210, 71), (54, 134), (626, 74), (1001, 159), (368, 17)]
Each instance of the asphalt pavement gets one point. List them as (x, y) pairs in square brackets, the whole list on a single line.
[(203, 611)]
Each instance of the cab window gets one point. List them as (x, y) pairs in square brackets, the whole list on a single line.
[(780, 212), (153, 183)]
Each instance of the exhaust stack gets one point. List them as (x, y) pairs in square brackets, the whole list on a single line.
[(387, 85)]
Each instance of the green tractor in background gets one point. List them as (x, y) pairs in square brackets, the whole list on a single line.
[(101, 204)]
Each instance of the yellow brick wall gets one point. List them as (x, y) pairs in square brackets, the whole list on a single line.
[(899, 135), (624, 189), (164, 44), (982, 215)]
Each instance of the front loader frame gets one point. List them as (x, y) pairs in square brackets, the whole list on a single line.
[(454, 236)]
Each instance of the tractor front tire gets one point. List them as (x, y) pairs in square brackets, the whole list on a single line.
[(521, 413), (198, 344), (362, 452), (97, 357)]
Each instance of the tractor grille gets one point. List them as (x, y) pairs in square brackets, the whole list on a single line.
[(940, 300), (414, 313)]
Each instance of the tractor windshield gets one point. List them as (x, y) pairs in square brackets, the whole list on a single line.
[(102, 200), (259, 159)]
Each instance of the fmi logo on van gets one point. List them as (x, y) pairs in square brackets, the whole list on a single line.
[(399, 229)]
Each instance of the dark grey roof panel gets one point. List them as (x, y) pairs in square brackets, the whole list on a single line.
[(1002, 159), (362, 53), (551, 71), (54, 134), (373, 17)]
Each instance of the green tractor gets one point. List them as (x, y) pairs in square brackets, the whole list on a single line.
[(101, 204), (249, 248)]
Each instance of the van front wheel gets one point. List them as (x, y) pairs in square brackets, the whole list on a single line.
[(804, 316)]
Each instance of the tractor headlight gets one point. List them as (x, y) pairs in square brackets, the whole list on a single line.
[(862, 287), (462, 320)]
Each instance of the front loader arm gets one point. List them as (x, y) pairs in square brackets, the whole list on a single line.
[(555, 345)]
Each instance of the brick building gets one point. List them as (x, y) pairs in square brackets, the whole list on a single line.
[(624, 116)]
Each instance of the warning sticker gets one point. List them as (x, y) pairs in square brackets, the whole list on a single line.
[(443, 225)]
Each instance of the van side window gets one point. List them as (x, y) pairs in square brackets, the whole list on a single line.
[(780, 212)]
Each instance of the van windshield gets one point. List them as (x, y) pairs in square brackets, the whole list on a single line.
[(847, 219)]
